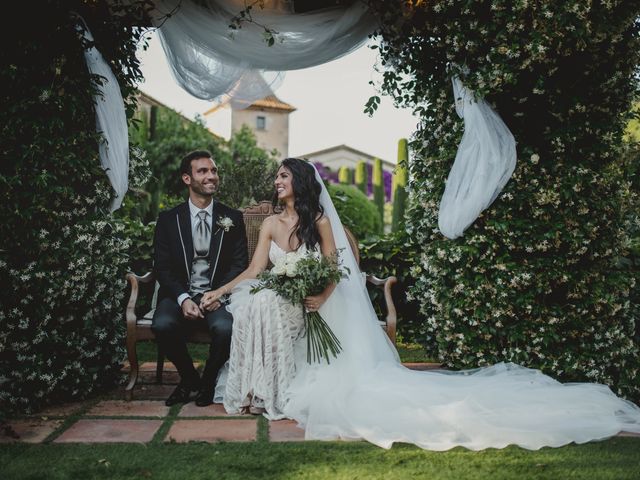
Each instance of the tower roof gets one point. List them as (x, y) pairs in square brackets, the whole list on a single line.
[(270, 102)]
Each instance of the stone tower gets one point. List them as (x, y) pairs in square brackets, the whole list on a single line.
[(268, 118)]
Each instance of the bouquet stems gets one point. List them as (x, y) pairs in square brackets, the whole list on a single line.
[(321, 341)]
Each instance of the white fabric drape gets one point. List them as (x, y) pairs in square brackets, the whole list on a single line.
[(484, 163), (111, 122), (210, 60)]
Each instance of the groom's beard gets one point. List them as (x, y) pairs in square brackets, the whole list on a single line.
[(203, 190)]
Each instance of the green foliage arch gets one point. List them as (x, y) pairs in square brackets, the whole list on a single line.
[(63, 257), (536, 279)]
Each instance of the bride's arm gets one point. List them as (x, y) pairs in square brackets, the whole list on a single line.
[(328, 248), (259, 262)]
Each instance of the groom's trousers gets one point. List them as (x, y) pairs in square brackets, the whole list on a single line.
[(171, 330)]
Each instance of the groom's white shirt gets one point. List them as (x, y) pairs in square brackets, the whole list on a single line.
[(193, 210)]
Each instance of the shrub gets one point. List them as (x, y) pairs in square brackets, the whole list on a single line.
[(535, 280), (394, 254), (63, 256), (356, 211)]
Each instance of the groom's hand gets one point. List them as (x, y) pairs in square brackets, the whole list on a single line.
[(209, 299), (190, 310)]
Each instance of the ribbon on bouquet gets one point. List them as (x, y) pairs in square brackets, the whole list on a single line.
[(484, 163)]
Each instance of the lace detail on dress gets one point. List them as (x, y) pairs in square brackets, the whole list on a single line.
[(262, 360)]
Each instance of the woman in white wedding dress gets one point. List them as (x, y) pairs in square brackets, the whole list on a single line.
[(366, 393), (266, 327)]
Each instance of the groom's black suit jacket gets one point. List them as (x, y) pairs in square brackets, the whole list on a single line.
[(173, 249)]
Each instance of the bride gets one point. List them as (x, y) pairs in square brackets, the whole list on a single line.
[(366, 393)]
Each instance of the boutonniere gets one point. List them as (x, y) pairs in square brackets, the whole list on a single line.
[(225, 223)]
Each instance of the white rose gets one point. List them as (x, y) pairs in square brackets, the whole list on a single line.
[(291, 269), (280, 267), (292, 257)]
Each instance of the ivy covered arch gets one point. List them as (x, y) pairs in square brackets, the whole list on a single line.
[(535, 280), (538, 279)]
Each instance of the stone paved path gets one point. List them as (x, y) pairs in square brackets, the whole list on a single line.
[(146, 419)]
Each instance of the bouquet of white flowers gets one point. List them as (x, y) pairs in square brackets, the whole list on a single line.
[(298, 275)]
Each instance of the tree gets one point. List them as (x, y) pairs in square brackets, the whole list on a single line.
[(399, 186), (378, 186), (250, 175), (361, 176), (166, 137)]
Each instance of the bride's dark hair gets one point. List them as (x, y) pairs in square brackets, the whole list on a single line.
[(306, 194)]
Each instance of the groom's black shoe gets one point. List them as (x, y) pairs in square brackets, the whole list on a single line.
[(205, 397), (182, 394)]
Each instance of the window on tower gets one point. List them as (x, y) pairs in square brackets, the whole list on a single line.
[(261, 123)]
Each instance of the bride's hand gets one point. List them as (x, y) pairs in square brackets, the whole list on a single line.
[(210, 298), (313, 303)]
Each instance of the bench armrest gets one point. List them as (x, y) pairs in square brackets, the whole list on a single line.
[(134, 280), (392, 316)]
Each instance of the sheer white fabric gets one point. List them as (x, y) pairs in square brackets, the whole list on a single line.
[(484, 163), (367, 394), (111, 122), (208, 59), (262, 362)]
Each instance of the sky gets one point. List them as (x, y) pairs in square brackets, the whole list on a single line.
[(329, 99)]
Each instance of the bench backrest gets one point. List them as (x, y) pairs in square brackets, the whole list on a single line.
[(254, 215)]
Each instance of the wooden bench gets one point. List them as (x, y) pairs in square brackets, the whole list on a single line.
[(139, 328)]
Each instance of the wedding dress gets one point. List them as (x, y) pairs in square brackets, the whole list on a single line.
[(262, 361), (367, 394)]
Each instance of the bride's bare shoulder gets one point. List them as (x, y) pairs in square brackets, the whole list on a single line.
[(269, 223), (323, 224)]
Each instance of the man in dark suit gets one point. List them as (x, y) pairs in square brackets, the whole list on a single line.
[(198, 246)]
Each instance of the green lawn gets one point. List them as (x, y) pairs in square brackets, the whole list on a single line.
[(616, 459)]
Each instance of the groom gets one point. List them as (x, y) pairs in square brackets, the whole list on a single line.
[(198, 246)]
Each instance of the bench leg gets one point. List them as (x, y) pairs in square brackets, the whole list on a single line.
[(132, 355)]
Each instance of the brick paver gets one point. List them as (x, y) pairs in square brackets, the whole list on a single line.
[(150, 392), (285, 431), (134, 408), (232, 430), (33, 430), (109, 431), (423, 366), (213, 410), (150, 403)]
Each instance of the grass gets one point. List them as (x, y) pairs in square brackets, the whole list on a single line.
[(616, 459)]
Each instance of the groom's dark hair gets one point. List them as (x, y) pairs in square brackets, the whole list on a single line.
[(185, 163)]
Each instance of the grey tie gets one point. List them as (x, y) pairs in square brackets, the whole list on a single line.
[(202, 237)]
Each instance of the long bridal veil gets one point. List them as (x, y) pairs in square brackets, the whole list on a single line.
[(367, 394)]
